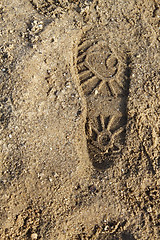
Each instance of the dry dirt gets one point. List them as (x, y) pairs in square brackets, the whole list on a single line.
[(79, 119)]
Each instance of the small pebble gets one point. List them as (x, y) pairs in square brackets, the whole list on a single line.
[(96, 92), (34, 236)]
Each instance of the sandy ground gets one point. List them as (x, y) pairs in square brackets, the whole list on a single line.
[(79, 119)]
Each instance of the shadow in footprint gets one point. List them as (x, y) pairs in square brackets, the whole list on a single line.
[(127, 236)]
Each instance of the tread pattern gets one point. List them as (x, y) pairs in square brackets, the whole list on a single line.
[(96, 68)]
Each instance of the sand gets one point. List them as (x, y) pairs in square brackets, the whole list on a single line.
[(79, 120)]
